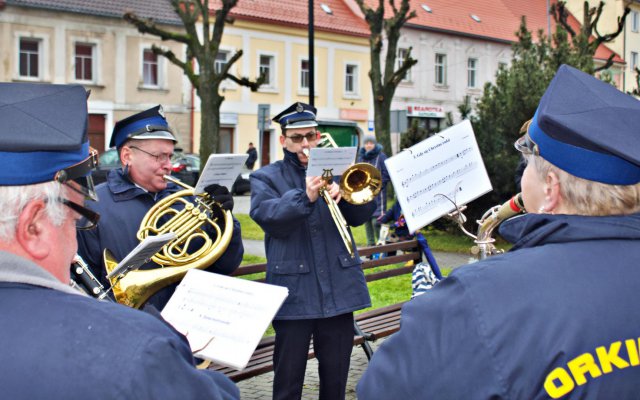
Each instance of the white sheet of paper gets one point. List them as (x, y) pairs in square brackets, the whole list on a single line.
[(223, 318), (222, 169), (142, 253), (448, 163), (338, 159)]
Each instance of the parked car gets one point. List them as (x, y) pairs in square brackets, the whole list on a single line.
[(186, 167), (107, 161)]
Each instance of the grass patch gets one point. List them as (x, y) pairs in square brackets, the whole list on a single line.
[(250, 230)]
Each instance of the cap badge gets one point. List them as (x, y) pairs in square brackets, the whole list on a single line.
[(299, 108)]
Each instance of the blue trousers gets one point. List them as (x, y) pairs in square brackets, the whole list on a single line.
[(332, 343)]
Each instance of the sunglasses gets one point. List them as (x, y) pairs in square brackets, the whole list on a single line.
[(89, 218), (311, 137)]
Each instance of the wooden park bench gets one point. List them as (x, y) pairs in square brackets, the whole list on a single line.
[(369, 326)]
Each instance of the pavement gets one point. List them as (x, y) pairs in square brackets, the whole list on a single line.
[(260, 387)]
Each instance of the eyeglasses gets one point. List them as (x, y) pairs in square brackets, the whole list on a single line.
[(89, 218), (311, 137), (527, 146), (160, 158)]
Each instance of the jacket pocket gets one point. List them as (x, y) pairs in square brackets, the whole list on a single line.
[(288, 273), (346, 261)]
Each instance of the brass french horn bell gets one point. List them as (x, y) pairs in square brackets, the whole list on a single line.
[(192, 247)]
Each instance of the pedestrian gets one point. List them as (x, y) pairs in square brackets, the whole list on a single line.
[(371, 152), (253, 156), (56, 341), (306, 254), (556, 316)]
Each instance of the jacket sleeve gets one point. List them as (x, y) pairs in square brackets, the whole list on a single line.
[(440, 351), (356, 215), (165, 370), (274, 213), (232, 257)]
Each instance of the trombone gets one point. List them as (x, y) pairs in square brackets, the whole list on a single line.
[(359, 184)]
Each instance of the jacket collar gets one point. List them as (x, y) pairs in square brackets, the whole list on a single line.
[(292, 158), (16, 269), (530, 230)]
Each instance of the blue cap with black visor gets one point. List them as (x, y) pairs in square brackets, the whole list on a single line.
[(43, 137), (148, 124), (587, 128), (298, 115)]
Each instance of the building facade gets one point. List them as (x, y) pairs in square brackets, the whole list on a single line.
[(273, 36), (88, 43)]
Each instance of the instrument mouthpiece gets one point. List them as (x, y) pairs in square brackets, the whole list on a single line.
[(306, 152)]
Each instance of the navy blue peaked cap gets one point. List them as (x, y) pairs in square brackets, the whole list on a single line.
[(148, 124), (298, 115), (588, 128), (43, 133)]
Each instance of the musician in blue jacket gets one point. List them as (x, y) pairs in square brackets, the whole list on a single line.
[(557, 316), (58, 343), (145, 144), (306, 254)]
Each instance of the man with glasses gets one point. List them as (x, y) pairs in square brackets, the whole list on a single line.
[(306, 254), (56, 341), (145, 145)]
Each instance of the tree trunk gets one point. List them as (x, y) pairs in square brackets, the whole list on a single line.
[(210, 102), (383, 122)]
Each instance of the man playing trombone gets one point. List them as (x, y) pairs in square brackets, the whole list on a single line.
[(145, 145), (306, 254)]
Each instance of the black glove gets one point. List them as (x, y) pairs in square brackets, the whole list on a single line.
[(221, 195)]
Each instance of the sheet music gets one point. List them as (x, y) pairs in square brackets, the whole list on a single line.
[(222, 169), (338, 159), (223, 318), (446, 164), (142, 253)]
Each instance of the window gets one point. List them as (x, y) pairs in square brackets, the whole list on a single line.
[(84, 61), (402, 55), (635, 21), (29, 58), (472, 65), (351, 79), (149, 68), (266, 68), (441, 69), (304, 74), (634, 60), (221, 60)]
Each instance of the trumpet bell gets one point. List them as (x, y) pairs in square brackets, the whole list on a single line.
[(360, 183)]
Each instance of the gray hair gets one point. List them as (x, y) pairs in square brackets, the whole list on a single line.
[(13, 199), (589, 197)]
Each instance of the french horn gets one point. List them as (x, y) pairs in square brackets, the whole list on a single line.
[(193, 246)]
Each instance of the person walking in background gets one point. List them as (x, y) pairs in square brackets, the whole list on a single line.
[(253, 156), (371, 152)]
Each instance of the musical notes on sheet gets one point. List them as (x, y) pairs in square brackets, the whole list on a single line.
[(446, 164), (223, 317)]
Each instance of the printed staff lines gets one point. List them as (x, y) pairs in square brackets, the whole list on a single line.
[(458, 172), (406, 182), (435, 202)]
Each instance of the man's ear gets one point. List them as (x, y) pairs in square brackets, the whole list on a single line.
[(552, 197), (32, 230), (282, 139), (125, 155)]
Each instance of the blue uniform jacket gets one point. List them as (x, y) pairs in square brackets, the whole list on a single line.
[(376, 158), (304, 250), (59, 345), (556, 317), (122, 206)]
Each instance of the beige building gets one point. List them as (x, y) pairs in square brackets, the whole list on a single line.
[(274, 38), (88, 43)]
